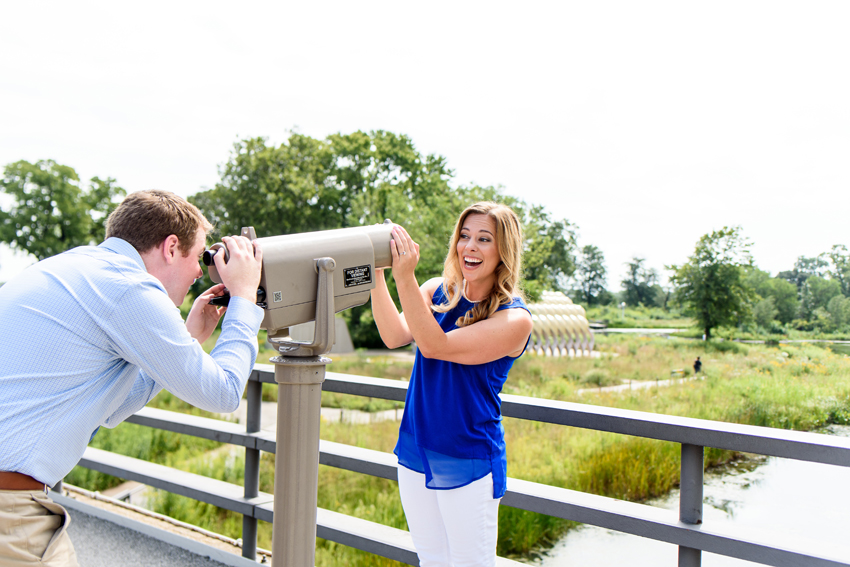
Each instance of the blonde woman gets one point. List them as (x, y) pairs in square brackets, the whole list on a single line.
[(469, 326)]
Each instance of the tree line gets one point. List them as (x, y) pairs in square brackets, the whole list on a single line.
[(306, 184), (303, 184), (721, 286)]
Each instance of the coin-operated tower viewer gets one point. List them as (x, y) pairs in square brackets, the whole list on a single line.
[(306, 277)]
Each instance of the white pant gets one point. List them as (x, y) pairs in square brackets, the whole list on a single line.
[(451, 528)]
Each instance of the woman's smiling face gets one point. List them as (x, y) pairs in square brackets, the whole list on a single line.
[(478, 252)]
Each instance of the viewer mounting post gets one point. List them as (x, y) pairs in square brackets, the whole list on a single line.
[(299, 373), (305, 277)]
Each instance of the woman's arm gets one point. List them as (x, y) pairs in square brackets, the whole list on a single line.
[(391, 324), (503, 334)]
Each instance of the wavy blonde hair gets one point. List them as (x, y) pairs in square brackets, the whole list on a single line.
[(508, 273)]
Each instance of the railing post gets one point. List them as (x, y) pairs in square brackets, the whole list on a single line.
[(690, 499), (252, 466)]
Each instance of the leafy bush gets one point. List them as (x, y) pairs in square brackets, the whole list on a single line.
[(725, 346), (598, 377)]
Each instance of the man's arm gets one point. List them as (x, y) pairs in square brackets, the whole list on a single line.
[(148, 332)]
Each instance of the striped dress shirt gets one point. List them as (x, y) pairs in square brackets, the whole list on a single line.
[(87, 338)]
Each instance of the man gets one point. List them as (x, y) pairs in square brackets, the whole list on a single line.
[(89, 336)]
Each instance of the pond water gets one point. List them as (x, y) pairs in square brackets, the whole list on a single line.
[(786, 499), (840, 348)]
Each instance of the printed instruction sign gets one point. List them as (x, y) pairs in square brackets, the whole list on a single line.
[(357, 276)]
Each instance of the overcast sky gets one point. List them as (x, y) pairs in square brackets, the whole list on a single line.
[(647, 124)]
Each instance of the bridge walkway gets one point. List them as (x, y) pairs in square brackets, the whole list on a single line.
[(105, 535)]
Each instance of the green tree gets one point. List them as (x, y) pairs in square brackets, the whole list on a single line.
[(804, 268), (305, 185), (783, 293), (711, 284), (816, 294), (839, 311), (591, 274), (50, 212), (838, 259), (549, 256), (276, 189), (765, 312), (364, 178), (640, 284), (784, 296)]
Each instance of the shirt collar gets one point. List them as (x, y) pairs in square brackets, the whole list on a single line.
[(121, 246)]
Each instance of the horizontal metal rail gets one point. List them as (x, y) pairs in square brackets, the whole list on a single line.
[(626, 517), (609, 513), (355, 532), (799, 445)]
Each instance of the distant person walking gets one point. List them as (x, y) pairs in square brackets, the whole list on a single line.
[(697, 366)]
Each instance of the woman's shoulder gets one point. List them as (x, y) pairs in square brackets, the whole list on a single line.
[(516, 301), (431, 286)]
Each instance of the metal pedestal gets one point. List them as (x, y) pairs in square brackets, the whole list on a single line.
[(297, 459)]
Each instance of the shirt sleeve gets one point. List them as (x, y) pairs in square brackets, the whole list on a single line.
[(148, 332)]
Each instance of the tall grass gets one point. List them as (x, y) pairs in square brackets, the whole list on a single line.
[(638, 317), (800, 387)]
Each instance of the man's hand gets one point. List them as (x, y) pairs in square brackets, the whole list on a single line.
[(241, 273), (204, 317)]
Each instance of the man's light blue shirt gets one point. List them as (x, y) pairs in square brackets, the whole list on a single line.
[(87, 338)]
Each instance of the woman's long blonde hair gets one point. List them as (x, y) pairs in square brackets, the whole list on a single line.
[(508, 273)]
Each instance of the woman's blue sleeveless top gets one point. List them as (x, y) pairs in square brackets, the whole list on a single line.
[(452, 430)]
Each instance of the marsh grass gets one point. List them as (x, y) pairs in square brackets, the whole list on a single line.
[(361, 363), (639, 317), (801, 387)]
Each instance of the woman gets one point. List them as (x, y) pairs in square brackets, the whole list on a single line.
[(469, 326)]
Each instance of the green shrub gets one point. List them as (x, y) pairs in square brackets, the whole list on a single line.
[(598, 377)]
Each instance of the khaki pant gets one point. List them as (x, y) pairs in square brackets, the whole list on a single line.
[(34, 531)]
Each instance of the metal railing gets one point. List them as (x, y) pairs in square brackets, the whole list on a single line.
[(684, 529)]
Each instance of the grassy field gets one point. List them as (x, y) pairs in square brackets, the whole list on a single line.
[(638, 317), (799, 386)]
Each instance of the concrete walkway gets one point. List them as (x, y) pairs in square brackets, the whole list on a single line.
[(105, 537), (638, 331), (640, 385)]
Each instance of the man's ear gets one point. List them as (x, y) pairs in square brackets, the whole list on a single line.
[(170, 248)]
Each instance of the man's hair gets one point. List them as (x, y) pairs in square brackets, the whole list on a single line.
[(146, 218)]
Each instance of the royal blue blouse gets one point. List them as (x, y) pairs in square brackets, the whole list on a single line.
[(452, 430)]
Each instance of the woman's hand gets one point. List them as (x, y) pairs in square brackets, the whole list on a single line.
[(392, 325), (405, 253)]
